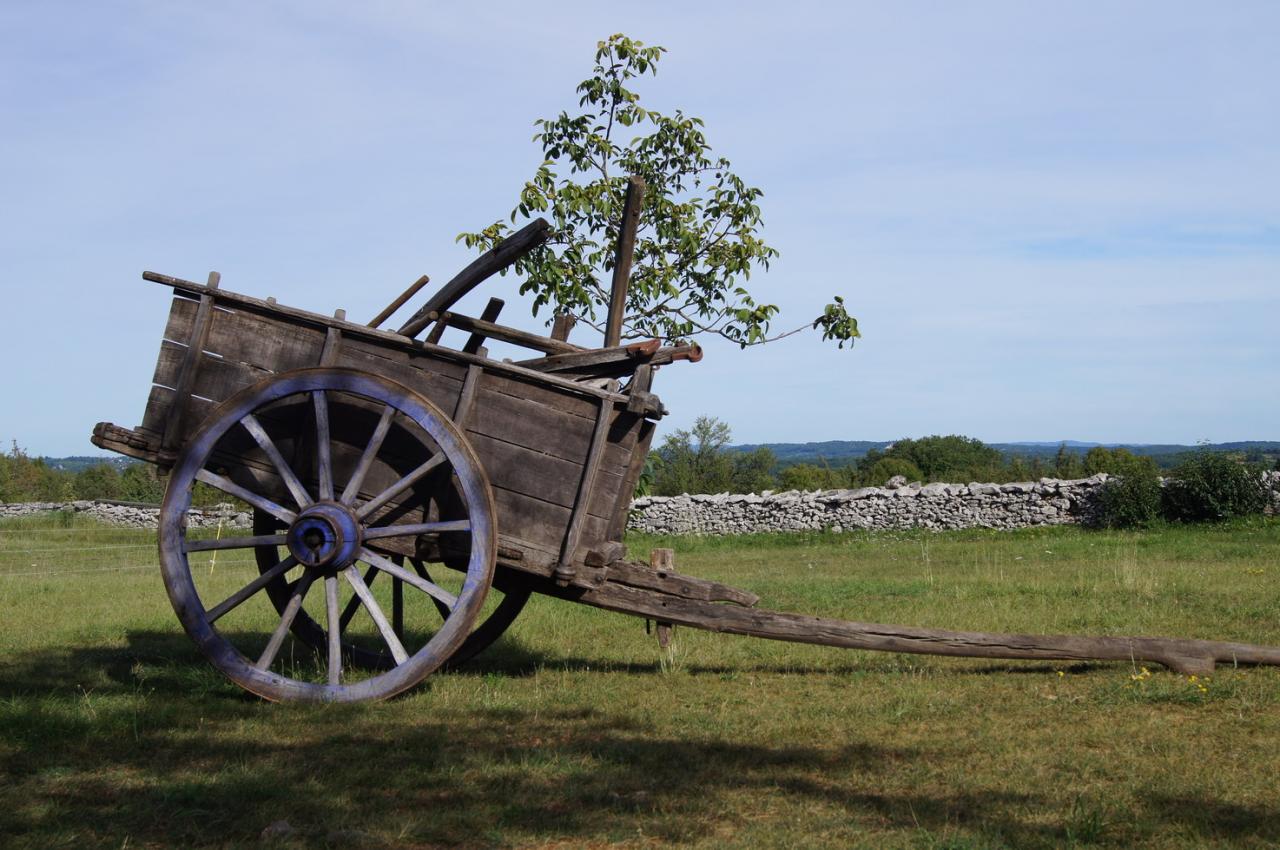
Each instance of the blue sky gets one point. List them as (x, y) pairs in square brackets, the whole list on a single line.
[(1052, 220)]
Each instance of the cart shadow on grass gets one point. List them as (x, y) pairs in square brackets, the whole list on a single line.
[(171, 753)]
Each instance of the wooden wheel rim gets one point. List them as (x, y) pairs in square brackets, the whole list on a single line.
[(191, 610)]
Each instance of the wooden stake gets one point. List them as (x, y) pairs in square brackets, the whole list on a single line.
[(622, 260), (399, 302), (663, 562)]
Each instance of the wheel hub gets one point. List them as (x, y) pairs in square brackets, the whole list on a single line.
[(326, 536)]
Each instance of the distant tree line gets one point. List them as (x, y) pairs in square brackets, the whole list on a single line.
[(31, 479), (1201, 485), (699, 460)]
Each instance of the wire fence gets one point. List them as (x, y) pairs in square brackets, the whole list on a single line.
[(32, 560)]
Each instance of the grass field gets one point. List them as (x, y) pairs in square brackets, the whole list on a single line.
[(577, 730)]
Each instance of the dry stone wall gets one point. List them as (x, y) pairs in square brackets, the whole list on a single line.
[(1049, 501), (130, 515)]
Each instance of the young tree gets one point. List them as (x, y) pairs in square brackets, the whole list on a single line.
[(695, 461), (950, 458), (699, 232), (1067, 464), (753, 471)]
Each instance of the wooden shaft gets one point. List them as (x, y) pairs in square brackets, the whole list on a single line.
[(488, 264), (622, 259), (399, 302), (1181, 655)]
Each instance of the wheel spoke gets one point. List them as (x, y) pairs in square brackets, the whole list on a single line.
[(324, 461), (399, 487), (421, 569), (398, 602), (353, 604), (286, 620), (249, 589), (231, 488), (236, 542), (335, 630), (416, 529), (259, 434), (366, 459), (389, 635), (428, 587)]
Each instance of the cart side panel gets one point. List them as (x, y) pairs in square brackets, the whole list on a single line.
[(532, 438)]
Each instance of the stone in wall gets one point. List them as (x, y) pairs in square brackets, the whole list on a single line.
[(131, 516), (938, 506)]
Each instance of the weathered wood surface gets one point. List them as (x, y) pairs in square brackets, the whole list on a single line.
[(562, 326), (660, 575), (584, 500), (488, 264), (1181, 655), (623, 255), (622, 359), (295, 317), (533, 437), (490, 314), (617, 362), (399, 302), (190, 364), (506, 334)]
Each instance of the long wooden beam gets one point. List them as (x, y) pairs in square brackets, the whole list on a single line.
[(485, 266), (625, 252), (1181, 655)]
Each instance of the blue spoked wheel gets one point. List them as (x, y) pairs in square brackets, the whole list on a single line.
[(350, 474)]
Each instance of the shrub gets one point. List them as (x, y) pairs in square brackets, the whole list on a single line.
[(1130, 502), (882, 470), (1213, 486)]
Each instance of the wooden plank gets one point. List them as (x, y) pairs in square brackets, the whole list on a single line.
[(485, 266), (439, 381), (438, 329), (539, 476), (527, 422), (506, 334), (135, 444), (463, 410), (622, 258), (160, 404), (306, 319), (582, 503), (621, 359), (543, 524), (661, 576), (391, 308), (530, 388), (190, 366), (490, 314), (217, 379), (627, 487), (640, 400), (563, 326), (332, 345)]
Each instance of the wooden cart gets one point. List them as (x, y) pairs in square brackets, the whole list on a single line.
[(364, 452)]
